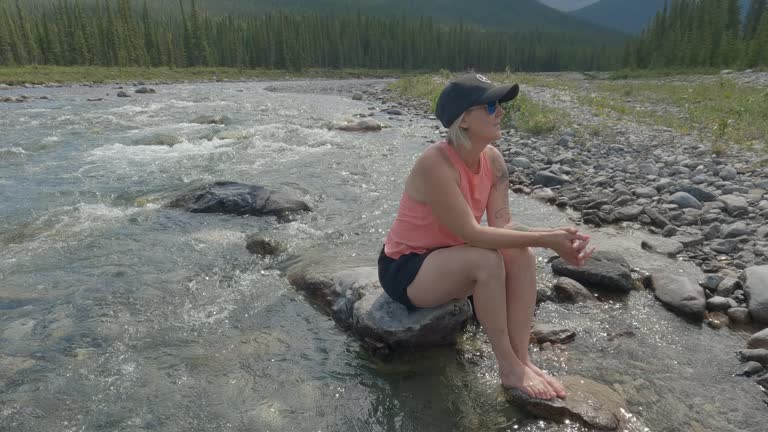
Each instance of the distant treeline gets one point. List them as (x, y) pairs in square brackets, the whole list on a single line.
[(112, 33), (703, 33)]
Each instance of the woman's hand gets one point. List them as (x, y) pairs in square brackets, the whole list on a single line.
[(570, 245)]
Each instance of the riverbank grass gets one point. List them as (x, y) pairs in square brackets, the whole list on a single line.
[(524, 113), (17, 75)]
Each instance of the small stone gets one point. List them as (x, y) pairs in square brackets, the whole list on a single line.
[(262, 246), (662, 246), (357, 96), (122, 94), (734, 230), (728, 286), (569, 291), (728, 173), (739, 315), (711, 282), (724, 246), (716, 320), (718, 304), (542, 333), (684, 200)]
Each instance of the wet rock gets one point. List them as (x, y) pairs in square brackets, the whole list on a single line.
[(239, 199), (739, 316), (759, 355), (549, 179), (592, 404), (605, 270), (662, 246), (569, 291), (541, 333), (357, 96), (145, 90), (762, 381), (358, 303), (688, 241), (158, 140), (756, 291), (95, 99), (758, 340), (258, 245), (684, 200), (520, 163), (750, 368), (718, 304), (395, 111), (681, 295), (544, 194), (212, 119), (362, 125), (123, 94)]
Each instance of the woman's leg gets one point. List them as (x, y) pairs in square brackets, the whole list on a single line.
[(520, 266), (459, 271)]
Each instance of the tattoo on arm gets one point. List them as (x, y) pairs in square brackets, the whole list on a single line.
[(502, 215), (500, 172)]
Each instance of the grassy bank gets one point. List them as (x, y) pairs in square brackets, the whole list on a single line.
[(16, 75), (524, 113)]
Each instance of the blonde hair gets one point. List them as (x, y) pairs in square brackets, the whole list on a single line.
[(457, 136)]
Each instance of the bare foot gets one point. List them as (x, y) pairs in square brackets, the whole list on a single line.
[(556, 385), (528, 381)]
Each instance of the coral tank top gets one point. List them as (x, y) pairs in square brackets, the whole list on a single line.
[(417, 230)]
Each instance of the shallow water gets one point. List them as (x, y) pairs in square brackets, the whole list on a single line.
[(119, 314)]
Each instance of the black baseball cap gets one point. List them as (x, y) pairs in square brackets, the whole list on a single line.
[(468, 91)]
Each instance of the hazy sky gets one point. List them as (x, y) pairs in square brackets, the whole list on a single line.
[(568, 5)]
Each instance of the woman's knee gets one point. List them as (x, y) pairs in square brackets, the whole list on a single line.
[(487, 264), (519, 256)]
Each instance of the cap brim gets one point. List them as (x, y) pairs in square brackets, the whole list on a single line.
[(504, 93)]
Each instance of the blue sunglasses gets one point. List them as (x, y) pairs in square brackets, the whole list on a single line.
[(490, 107)]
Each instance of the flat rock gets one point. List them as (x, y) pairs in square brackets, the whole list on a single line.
[(699, 193), (734, 230), (733, 203), (542, 333), (758, 340), (357, 303), (592, 404), (759, 355), (688, 240), (662, 246), (549, 179), (569, 291), (239, 199), (756, 291), (682, 295), (718, 304), (628, 213), (605, 270)]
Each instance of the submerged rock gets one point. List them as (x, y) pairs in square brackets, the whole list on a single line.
[(680, 294), (358, 303), (239, 199), (605, 270), (258, 245), (543, 333), (592, 404), (212, 119), (158, 140), (362, 125)]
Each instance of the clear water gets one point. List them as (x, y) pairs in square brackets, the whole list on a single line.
[(117, 314)]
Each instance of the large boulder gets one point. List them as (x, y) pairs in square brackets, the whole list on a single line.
[(756, 290), (592, 404), (681, 295), (239, 199), (606, 270), (357, 303)]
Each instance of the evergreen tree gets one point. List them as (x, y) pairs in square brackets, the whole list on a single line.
[(754, 14)]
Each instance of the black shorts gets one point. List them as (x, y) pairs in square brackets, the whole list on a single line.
[(396, 274)]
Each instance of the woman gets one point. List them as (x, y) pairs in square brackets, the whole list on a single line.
[(437, 250)]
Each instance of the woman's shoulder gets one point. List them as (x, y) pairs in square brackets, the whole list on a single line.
[(434, 160)]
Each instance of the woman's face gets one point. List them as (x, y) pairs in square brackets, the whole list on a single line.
[(482, 127)]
